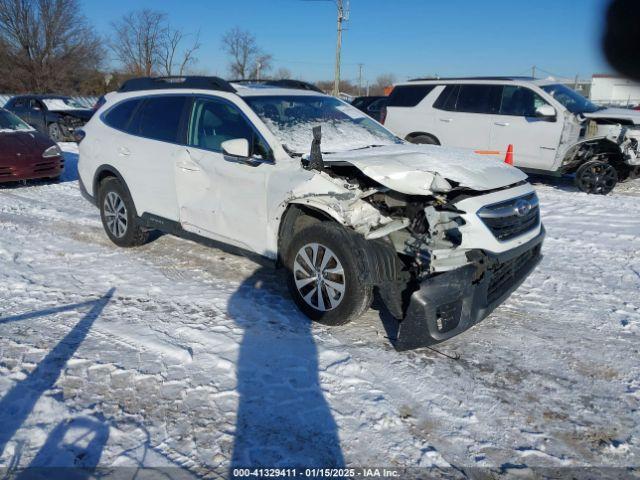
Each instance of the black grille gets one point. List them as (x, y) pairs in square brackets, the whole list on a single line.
[(505, 274), (505, 223)]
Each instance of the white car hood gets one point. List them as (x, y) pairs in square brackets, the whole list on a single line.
[(420, 169), (616, 113)]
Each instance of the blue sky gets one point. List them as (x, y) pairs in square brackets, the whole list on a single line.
[(408, 38)]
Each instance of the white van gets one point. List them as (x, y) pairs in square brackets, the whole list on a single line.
[(553, 129)]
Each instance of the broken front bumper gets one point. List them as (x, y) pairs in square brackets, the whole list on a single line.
[(448, 304)]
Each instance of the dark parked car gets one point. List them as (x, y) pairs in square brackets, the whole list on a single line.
[(26, 153), (371, 105), (52, 115)]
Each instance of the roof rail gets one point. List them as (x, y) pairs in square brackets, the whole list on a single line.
[(436, 79), (191, 82), (282, 83)]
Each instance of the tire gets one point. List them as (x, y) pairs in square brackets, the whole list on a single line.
[(596, 177), (335, 307), (55, 132), (424, 140), (118, 214)]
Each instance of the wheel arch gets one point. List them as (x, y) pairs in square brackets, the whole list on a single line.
[(412, 135), (295, 217), (106, 171)]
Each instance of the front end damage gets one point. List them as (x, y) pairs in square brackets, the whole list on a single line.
[(604, 139), (432, 261)]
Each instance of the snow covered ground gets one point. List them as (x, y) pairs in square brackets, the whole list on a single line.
[(176, 355)]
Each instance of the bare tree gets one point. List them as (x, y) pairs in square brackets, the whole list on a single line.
[(282, 74), (173, 58), (247, 59), (46, 45), (146, 45), (382, 82)]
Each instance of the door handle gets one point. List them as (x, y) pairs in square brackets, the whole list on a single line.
[(446, 120), (124, 152), (502, 124)]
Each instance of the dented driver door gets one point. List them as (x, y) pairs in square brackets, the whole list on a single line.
[(221, 196)]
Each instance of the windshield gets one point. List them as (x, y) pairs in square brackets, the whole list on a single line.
[(572, 100), (344, 127), (10, 123), (62, 103)]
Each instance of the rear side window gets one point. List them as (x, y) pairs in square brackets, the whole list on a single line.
[(159, 118), (408, 95), (448, 98), (470, 98), (119, 116)]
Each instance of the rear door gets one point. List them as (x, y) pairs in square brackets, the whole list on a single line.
[(464, 115), (535, 140), (149, 151)]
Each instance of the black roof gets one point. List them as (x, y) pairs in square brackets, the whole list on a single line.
[(190, 82), (283, 83), (444, 79)]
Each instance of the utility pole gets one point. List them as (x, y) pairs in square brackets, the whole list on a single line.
[(533, 72), (343, 16), (258, 67), (360, 65)]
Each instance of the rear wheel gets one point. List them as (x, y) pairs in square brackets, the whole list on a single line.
[(596, 177), (424, 139), (322, 275), (118, 215)]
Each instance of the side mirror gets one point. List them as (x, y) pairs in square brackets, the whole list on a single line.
[(238, 147), (546, 111)]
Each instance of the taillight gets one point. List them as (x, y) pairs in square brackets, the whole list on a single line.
[(383, 115)]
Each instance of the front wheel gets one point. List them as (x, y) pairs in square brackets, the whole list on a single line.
[(596, 177), (322, 275)]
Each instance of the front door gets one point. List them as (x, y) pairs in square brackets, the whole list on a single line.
[(221, 196), (535, 140)]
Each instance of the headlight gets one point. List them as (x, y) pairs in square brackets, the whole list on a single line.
[(53, 151)]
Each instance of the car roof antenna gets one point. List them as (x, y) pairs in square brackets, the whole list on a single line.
[(315, 158)]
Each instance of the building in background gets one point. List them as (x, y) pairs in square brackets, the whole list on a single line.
[(614, 90)]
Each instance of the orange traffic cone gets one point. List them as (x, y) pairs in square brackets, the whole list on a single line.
[(509, 156)]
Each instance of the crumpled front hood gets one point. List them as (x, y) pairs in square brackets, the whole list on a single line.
[(85, 114), (420, 169), (616, 113)]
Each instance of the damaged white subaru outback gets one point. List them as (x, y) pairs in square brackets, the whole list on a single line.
[(280, 169)]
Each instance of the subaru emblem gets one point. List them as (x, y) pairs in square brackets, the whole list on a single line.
[(522, 207)]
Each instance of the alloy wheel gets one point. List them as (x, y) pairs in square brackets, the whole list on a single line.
[(599, 178), (115, 213), (319, 277)]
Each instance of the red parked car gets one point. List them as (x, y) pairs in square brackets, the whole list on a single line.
[(25, 153)]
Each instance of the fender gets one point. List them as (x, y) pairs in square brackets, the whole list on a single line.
[(112, 172)]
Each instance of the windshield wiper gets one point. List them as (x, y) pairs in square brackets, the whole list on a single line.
[(368, 146)]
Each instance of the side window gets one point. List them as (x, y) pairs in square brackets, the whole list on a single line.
[(448, 98), (36, 104), (520, 101), (159, 118), (19, 103), (478, 99), (215, 121), (408, 95), (119, 116)]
